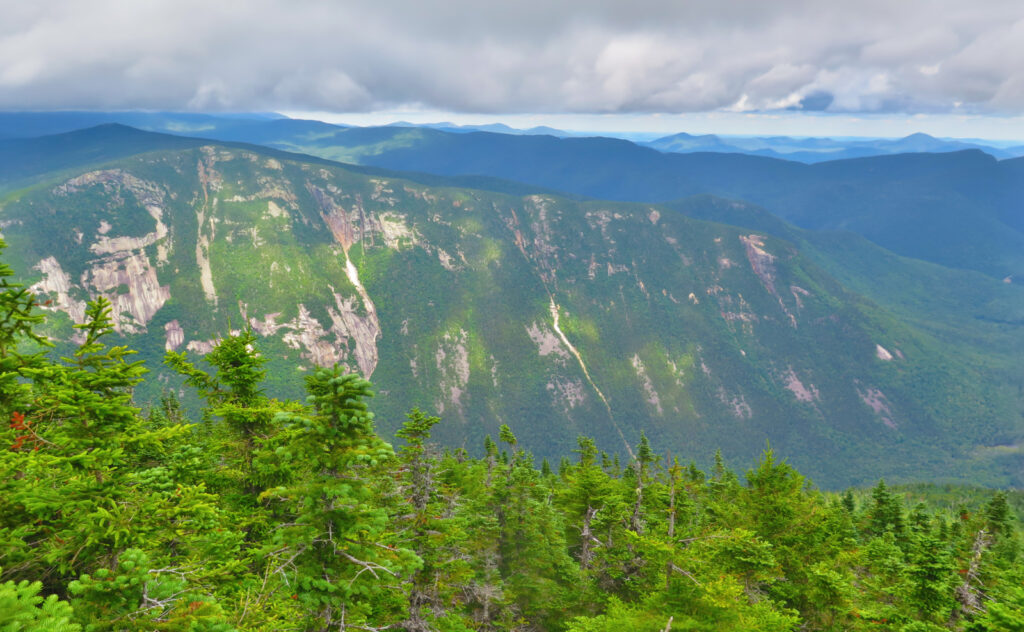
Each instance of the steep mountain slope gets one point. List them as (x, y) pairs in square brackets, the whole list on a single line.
[(962, 303), (555, 316), (960, 209)]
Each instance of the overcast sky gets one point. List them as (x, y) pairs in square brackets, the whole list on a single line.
[(734, 60)]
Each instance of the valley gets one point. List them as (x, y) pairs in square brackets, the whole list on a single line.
[(563, 316)]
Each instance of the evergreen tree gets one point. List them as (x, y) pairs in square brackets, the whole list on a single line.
[(427, 526), (886, 512), (74, 455), (849, 504), (998, 516), (240, 423), (931, 576), (18, 320), (334, 553)]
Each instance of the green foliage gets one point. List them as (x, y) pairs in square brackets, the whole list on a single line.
[(22, 609), (82, 447), (1004, 615), (132, 596), (16, 318), (505, 434), (334, 553), (886, 511), (275, 514)]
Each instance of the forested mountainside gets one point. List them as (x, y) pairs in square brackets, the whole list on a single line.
[(272, 514), (556, 316), (960, 209)]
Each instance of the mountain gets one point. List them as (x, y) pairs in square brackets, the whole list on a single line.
[(259, 128), (21, 159), (960, 209), (813, 150), (497, 128), (686, 143), (25, 160), (30, 124), (558, 317)]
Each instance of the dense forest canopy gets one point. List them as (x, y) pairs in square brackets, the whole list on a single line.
[(295, 515)]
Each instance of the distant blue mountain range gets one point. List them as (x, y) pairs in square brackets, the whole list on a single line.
[(812, 150), (264, 127)]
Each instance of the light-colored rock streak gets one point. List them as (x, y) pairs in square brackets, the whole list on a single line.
[(203, 241), (56, 281), (175, 335), (762, 263), (547, 343), (652, 395), (568, 345), (806, 394), (307, 332), (123, 272), (134, 308), (395, 231), (568, 391), (112, 245), (203, 260), (452, 360), (364, 330), (268, 326), (201, 347), (879, 404)]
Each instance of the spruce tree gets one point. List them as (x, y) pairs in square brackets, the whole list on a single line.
[(886, 512), (335, 553), (425, 526)]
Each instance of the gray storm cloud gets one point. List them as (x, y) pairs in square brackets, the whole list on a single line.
[(524, 56)]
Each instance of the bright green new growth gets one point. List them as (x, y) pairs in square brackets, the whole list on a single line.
[(22, 609)]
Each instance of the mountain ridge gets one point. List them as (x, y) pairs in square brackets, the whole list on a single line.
[(815, 150), (969, 200), (697, 333), (22, 159)]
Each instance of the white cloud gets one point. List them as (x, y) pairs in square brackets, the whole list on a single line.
[(470, 56)]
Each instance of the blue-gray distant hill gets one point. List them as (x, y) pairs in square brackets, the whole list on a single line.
[(23, 161), (29, 124), (812, 150)]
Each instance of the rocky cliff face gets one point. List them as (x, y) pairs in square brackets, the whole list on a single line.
[(556, 317), (118, 266)]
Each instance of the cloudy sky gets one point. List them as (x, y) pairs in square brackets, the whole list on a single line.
[(643, 63)]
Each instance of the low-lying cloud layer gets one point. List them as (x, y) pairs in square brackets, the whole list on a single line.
[(522, 56)]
